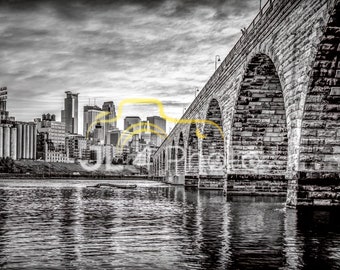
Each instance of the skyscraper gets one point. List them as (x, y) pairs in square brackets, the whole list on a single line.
[(109, 107), (158, 124), (92, 128), (70, 113), (132, 120), (90, 114)]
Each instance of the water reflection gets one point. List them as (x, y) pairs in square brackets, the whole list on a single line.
[(257, 229), (320, 231), (3, 218), (214, 221), (68, 226), (293, 251), (67, 220)]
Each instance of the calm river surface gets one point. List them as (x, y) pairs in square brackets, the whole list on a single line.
[(62, 224)]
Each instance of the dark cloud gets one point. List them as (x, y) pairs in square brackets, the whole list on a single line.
[(74, 9), (111, 50)]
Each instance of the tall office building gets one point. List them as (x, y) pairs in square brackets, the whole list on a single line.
[(157, 124), (145, 136), (90, 114), (133, 124), (109, 107), (70, 113), (114, 137), (132, 120)]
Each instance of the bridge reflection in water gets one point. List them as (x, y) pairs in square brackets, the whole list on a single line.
[(156, 226)]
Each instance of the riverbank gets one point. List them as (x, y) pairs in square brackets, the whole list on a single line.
[(71, 176), (29, 169)]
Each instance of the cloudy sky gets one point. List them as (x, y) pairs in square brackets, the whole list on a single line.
[(111, 50)]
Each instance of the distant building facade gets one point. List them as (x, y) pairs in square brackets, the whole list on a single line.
[(51, 146), (77, 147)]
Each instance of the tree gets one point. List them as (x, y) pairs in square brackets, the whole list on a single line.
[(7, 165)]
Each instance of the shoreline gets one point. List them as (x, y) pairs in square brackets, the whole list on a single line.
[(74, 177)]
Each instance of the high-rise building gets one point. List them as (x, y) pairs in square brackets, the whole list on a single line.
[(90, 114), (93, 129), (145, 135), (157, 124), (98, 135), (109, 124), (114, 137), (133, 124), (132, 121), (70, 113), (109, 107)]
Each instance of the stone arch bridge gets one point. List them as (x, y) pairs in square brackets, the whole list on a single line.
[(275, 102)]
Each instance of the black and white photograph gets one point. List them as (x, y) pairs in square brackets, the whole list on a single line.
[(169, 134)]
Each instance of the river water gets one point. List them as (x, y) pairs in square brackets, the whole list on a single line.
[(63, 224)]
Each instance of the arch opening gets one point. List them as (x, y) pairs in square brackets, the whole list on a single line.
[(192, 167), (180, 155), (172, 161), (213, 143), (259, 142), (163, 162)]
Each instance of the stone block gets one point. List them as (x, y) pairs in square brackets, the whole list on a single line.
[(335, 91)]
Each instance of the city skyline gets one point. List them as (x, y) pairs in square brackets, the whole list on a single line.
[(120, 124), (99, 56)]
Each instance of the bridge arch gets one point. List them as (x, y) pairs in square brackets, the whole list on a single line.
[(320, 130), (172, 160), (163, 165), (155, 167), (180, 155), (259, 139), (213, 154), (192, 159)]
